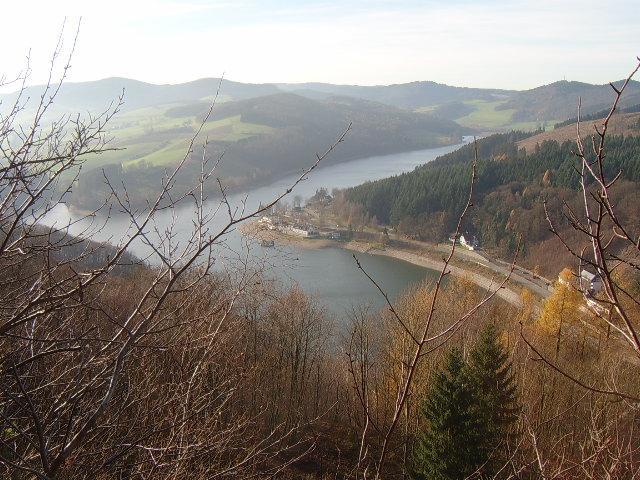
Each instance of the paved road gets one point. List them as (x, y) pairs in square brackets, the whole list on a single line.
[(538, 285)]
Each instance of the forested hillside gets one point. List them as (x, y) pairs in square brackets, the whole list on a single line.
[(560, 100), (261, 139), (508, 194), (265, 131)]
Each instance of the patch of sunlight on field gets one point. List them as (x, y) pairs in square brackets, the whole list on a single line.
[(221, 98), (171, 150), (164, 155), (148, 135), (232, 129), (428, 109), (121, 154), (486, 115), (130, 128)]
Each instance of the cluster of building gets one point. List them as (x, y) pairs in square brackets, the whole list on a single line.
[(297, 228)]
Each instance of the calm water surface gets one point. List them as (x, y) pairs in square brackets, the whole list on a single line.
[(329, 273)]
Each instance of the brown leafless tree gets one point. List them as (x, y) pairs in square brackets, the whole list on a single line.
[(608, 246), (109, 365), (613, 245)]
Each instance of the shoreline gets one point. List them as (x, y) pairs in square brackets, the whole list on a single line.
[(270, 179), (506, 293)]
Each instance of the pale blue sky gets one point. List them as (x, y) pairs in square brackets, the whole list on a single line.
[(517, 44)]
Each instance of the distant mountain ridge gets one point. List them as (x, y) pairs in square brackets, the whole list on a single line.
[(411, 95), (556, 101), (268, 130), (96, 95)]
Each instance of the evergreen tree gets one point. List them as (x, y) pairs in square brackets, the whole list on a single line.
[(442, 185), (495, 400), (470, 411), (447, 449)]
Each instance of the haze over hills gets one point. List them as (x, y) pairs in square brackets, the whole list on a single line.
[(96, 95), (413, 95), (268, 130), (556, 101), (560, 99)]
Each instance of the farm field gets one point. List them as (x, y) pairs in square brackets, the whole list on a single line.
[(487, 115), (149, 136)]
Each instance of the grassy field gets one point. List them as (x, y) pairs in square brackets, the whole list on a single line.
[(229, 129), (428, 109), (487, 116), (151, 136), (147, 135)]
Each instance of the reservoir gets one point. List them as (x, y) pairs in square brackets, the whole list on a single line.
[(329, 273)]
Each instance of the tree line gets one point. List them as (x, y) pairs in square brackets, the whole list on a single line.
[(510, 190)]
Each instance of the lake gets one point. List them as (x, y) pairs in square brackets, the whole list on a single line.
[(329, 273)]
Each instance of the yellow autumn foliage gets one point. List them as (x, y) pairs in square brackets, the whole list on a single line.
[(567, 276), (563, 307)]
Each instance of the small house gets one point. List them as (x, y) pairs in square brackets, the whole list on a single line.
[(469, 241), (590, 282)]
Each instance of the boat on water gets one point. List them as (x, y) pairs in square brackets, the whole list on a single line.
[(267, 243)]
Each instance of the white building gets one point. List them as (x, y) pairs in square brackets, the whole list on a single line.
[(305, 232), (590, 282), (469, 242)]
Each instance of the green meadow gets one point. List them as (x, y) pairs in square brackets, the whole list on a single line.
[(488, 115), (149, 136)]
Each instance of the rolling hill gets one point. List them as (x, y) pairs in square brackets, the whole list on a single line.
[(487, 109), (267, 130), (560, 100), (96, 95), (262, 138), (509, 191), (412, 96)]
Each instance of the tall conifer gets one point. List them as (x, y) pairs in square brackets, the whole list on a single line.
[(495, 399), (447, 449), (469, 412)]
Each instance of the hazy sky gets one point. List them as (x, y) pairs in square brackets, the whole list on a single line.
[(480, 43)]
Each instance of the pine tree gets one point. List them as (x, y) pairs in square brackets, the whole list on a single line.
[(447, 449), (470, 412), (495, 399)]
